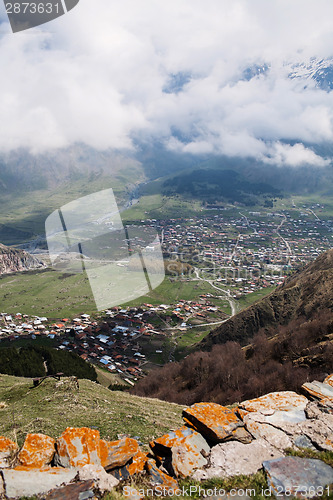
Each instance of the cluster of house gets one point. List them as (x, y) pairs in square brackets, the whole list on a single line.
[(112, 340), (99, 342), (248, 251)]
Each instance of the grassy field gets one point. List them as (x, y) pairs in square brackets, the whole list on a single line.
[(156, 206), (56, 295), (251, 298), (53, 406), (50, 293), (170, 292), (105, 378)]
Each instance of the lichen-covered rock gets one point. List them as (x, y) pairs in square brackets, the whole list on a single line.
[(329, 380), (7, 448), (161, 446), (319, 390), (316, 428), (184, 449), (38, 450), (20, 483), (77, 447), (319, 431), (275, 401), (303, 477), (213, 421), (135, 466), (190, 454), (273, 436), (234, 458), (102, 480), (240, 434), (118, 453), (161, 481)]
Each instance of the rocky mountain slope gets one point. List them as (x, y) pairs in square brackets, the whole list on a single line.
[(303, 294), (13, 260)]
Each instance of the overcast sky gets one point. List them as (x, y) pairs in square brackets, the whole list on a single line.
[(109, 73)]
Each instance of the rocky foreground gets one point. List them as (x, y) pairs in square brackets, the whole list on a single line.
[(214, 441)]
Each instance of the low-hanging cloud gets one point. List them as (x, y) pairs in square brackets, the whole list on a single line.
[(105, 75)]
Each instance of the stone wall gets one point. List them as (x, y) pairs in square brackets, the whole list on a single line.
[(214, 441)]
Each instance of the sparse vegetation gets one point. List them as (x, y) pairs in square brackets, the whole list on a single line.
[(55, 405), (283, 360)]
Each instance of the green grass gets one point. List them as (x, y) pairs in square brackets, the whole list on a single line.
[(50, 293), (157, 206), (250, 298), (53, 406), (171, 291), (256, 484), (23, 217), (56, 294), (106, 378)]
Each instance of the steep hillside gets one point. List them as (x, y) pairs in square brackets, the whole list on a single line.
[(276, 344), (303, 294), (13, 260)]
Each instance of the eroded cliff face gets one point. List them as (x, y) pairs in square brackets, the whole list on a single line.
[(13, 260)]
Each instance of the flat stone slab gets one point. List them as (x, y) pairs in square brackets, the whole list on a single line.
[(82, 490), (213, 421), (275, 401), (275, 437), (189, 455), (298, 475), (319, 390), (234, 458), (20, 483)]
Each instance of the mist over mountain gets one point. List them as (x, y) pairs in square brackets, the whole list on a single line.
[(242, 81)]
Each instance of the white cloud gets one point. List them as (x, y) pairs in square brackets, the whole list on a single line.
[(98, 76)]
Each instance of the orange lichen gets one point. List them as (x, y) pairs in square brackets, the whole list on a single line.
[(160, 445), (79, 446), (282, 401), (329, 380), (37, 451), (212, 420), (7, 445), (118, 453), (138, 463)]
